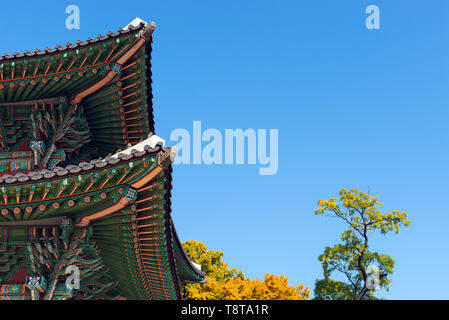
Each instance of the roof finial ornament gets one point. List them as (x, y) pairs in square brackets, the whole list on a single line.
[(148, 31)]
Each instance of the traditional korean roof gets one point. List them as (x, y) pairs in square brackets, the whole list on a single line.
[(109, 212)]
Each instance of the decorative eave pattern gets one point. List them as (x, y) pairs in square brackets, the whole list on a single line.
[(59, 173), (187, 271), (6, 57)]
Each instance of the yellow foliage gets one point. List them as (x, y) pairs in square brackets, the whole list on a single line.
[(210, 261), (223, 283), (271, 288), (361, 212)]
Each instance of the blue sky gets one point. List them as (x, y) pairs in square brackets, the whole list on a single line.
[(355, 108)]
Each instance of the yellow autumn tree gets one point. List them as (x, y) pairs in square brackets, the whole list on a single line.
[(223, 283), (273, 287), (210, 261)]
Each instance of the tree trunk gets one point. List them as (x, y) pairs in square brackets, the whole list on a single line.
[(362, 293)]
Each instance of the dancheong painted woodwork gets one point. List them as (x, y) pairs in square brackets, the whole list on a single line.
[(84, 182)]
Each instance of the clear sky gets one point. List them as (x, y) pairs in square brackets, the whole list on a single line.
[(355, 108)]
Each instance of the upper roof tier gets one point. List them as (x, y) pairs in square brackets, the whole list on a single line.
[(108, 78)]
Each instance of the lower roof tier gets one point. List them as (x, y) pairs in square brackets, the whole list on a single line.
[(122, 203)]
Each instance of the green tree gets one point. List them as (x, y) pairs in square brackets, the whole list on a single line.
[(363, 269)]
